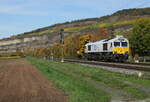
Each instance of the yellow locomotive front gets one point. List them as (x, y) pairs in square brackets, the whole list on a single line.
[(121, 49)]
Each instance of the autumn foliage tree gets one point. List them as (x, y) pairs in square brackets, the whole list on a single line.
[(69, 46), (56, 50), (83, 39)]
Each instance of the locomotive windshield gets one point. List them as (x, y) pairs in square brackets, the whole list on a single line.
[(124, 44), (116, 44)]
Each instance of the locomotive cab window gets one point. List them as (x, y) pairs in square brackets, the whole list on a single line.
[(105, 46), (117, 44), (89, 47), (124, 44)]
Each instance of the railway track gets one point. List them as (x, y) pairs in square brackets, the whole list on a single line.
[(133, 66), (144, 64)]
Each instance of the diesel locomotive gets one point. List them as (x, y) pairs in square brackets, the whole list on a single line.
[(114, 49)]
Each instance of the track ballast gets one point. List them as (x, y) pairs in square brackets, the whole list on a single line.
[(133, 66)]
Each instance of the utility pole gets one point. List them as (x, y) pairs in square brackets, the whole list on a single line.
[(62, 44)]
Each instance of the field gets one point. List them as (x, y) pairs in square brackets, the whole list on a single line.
[(22, 82), (86, 84), (38, 80)]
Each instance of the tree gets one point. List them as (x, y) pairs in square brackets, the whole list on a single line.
[(56, 50), (140, 37), (69, 46), (102, 33), (83, 39)]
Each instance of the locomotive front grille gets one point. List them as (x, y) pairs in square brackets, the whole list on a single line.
[(120, 50)]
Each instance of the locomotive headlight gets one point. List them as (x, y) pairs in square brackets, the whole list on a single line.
[(115, 52), (126, 52)]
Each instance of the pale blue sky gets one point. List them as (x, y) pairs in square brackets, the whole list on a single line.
[(18, 16)]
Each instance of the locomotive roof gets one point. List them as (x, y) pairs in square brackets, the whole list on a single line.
[(100, 41), (106, 40), (97, 42)]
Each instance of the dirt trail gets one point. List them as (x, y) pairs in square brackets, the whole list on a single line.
[(21, 82)]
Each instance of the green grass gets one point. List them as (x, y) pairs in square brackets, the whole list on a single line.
[(114, 80), (135, 79), (78, 90), (63, 76)]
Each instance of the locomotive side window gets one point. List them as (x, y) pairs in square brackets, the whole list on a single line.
[(89, 47), (105, 46), (116, 44), (124, 44)]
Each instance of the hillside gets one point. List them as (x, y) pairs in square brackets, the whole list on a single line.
[(118, 17), (119, 22)]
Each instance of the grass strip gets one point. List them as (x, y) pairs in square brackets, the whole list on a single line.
[(78, 90)]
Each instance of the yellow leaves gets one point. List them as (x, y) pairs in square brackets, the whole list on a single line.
[(83, 39)]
